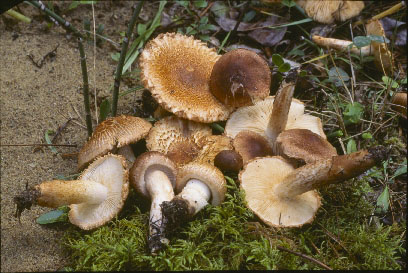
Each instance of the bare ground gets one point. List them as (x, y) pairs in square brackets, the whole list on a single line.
[(34, 100)]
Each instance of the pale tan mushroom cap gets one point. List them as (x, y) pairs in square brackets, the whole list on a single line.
[(256, 118), (304, 145), (176, 69), (259, 178), (110, 171), (112, 133), (206, 173), (210, 146), (173, 129), (326, 12), (150, 161)]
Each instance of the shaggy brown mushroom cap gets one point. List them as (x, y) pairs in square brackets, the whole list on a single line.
[(303, 146), (327, 12), (382, 56), (170, 130), (183, 152), (256, 118), (210, 146), (206, 173), (150, 161), (259, 178), (240, 78), (110, 134), (110, 171), (250, 145), (176, 69)]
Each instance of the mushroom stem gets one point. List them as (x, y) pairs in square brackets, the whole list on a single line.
[(334, 170), (341, 45), (127, 152), (197, 194), (280, 111), (58, 193), (160, 189)]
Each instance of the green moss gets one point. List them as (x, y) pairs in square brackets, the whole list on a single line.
[(230, 237)]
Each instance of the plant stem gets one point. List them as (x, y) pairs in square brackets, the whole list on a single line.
[(18, 16), (86, 87), (122, 57), (56, 18)]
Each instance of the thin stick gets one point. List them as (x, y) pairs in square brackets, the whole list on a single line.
[(86, 87), (122, 57), (18, 16), (39, 144), (305, 257), (387, 12), (94, 63), (56, 18)]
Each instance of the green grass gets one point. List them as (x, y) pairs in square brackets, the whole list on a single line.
[(227, 238)]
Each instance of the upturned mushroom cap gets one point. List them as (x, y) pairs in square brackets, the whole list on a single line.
[(250, 145), (327, 12), (206, 173), (170, 130), (111, 134), (256, 118), (110, 171), (259, 178), (240, 77), (303, 146), (150, 161), (176, 69), (382, 56)]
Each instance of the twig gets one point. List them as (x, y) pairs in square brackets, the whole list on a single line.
[(86, 87), (59, 130), (39, 144), (41, 62), (241, 16), (94, 63), (387, 12), (18, 16), (122, 57), (305, 257)]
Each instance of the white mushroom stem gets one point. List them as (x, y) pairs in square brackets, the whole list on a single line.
[(160, 189), (58, 193), (197, 194), (328, 171), (342, 45), (280, 111)]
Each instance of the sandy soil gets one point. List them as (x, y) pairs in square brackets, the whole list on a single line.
[(34, 100)]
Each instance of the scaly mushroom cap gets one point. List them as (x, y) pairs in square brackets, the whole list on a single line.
[(256, 118), (304, 146), (176, 69), (183, 152), (170, 130), (110, 171), (250, 145), (112, 133), (149, 161), (326, 12), (206, 173), (259, 178), (382, 56), (240, 78), (210, 146)]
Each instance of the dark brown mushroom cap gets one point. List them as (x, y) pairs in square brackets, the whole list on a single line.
[(240, 77), (176, 69), (250, 145), (150, 161), (400, 103), (304, 146), (228, 160), (112, 133), (183, 152)]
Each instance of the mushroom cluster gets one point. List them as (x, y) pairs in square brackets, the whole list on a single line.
[(281, 154)]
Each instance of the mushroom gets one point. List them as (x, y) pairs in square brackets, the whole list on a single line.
[(198, 184), (184, 141), (249, 145), (282, 196), (400, 103), (273, 115), (176, 69), (228, 161), (327, 12), (112, 133), (302, 146), (153, 175), (240, 78), (382, 56), (94, 199)]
